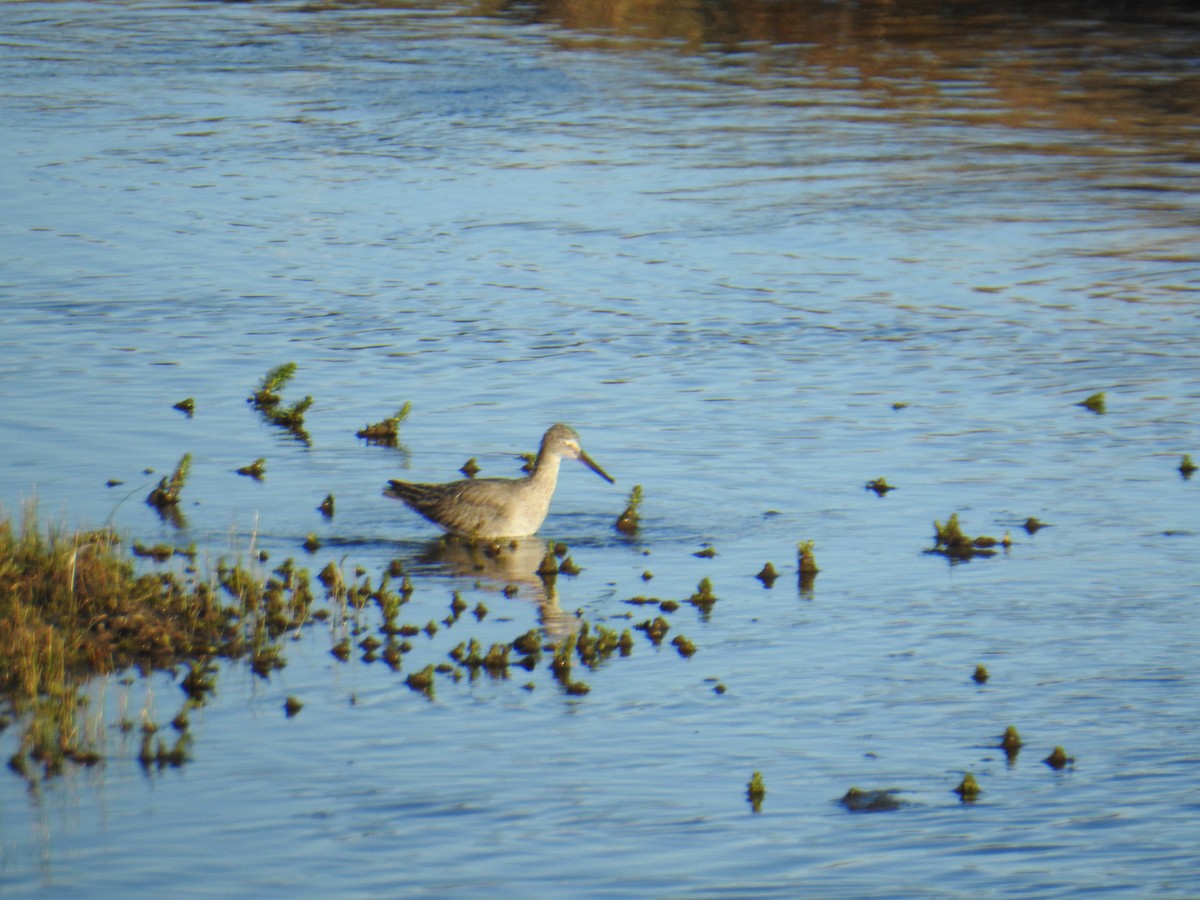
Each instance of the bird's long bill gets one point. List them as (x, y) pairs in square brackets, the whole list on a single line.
[(591, 464)]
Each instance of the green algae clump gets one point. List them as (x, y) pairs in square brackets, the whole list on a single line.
[(1058, 759), (704, 599), (767, 575), (269, 403), (267, 394), (422, 681), (968, 789), (953, 543), (685, 647), (629, 521), (656, 629), (1011, 743), (255, 470), (880, 486), (806, 558), (165, 496), (386, 432), (1095, 403), (547, 570), (756, 791)]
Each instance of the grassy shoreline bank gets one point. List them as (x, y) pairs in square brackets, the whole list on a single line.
[(77, 605)]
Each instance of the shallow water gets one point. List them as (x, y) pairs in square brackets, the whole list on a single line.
[(722, 250)]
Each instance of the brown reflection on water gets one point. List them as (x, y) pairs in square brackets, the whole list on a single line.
[(1108, 67), (500, 567)]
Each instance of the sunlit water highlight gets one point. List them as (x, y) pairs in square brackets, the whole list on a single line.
[(723, 268)]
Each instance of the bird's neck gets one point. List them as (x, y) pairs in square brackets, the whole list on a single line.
[(545, 469)]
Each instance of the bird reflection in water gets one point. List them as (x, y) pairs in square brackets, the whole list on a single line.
[(509, 567)]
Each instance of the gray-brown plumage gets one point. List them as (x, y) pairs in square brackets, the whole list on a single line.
[(489, 508)]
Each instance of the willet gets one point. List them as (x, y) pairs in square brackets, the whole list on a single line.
[(489, 508)]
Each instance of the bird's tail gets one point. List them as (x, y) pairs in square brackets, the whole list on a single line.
[(398, 490)]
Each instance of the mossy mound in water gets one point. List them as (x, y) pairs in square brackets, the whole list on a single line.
[(953, 543), (629, 521), (1011, 743), (767, 575), (756, 791), (1059, 759), (386, 432), (269, 403), (806, 559), (1187, 468), (255, 470), (166, 495), (968, 789), (880, 486), (1095, 403)]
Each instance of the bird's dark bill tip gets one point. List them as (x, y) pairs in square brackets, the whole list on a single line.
[(591, 464)]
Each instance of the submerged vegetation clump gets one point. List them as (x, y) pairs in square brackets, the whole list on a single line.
[(73, 606), (685, 647), (880, 486), (806, 559), (630, 520), (547, 569), (1187, 468), (656, 629), (255, 470), (267, 395), (1058, 759), (756, 791), (1095, 403), (953, 543), (968, 789), (158, 755), (165, 497), (767, 575), (704, 599), (560, 667), (157, 552), (806, 562), (1011, 743), (422, 681), (386, 433), (269, 403)]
